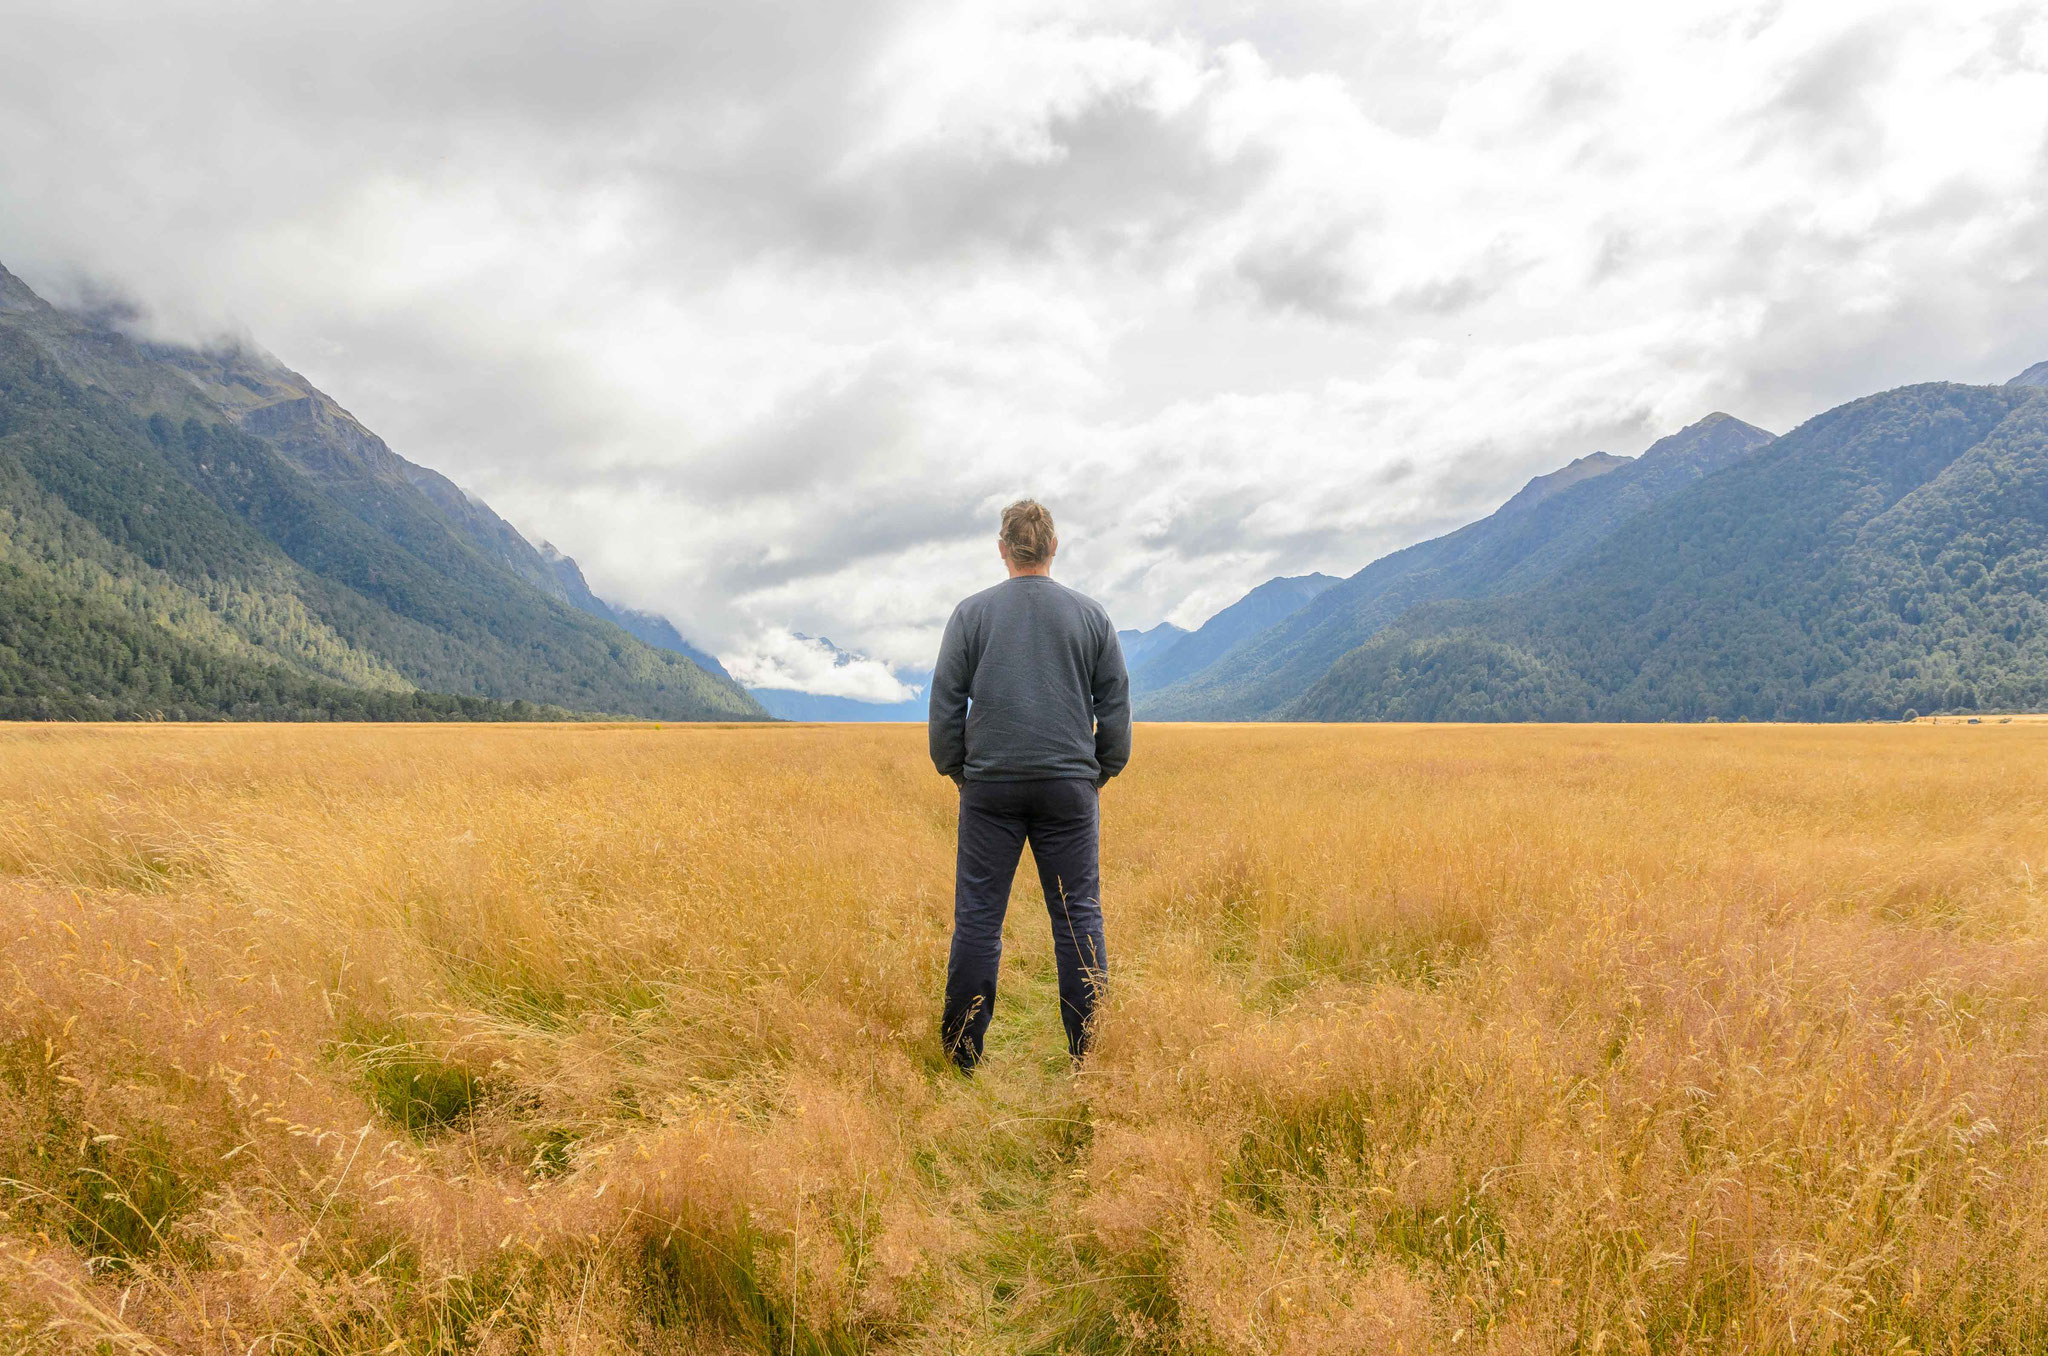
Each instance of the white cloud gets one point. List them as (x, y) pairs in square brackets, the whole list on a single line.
[(761, 310), (780, 659)]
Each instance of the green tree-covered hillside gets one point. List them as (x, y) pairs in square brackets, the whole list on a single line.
[(1258, 611), (245, 567), (1551, 520), (1889, 555)]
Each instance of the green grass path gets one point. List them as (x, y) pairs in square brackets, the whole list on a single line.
[(1027, 1284)]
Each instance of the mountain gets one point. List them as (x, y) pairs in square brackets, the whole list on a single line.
[(1550, 520), (1265, 606), (1140, 647), (2037, 375), (649, 628), (661, 633), (201, 532), (1889, 555), (1572, 473)]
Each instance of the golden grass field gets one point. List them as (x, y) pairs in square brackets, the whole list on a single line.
[(1420, 1039)]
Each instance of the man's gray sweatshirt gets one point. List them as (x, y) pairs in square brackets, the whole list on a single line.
[(1030, 685)]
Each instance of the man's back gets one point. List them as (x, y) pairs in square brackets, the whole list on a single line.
[(1044, 673)]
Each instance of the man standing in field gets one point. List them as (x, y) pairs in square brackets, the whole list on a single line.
[(1030, 716)]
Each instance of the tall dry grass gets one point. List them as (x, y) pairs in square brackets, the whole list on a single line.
[(1420, 1039)]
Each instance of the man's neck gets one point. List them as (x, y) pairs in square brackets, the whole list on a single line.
[(1035, 572)]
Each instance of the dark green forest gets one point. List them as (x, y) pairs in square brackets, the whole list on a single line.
[(63, 658)]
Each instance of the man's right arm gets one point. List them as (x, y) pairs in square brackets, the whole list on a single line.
[(946, 720), (1112, 696)]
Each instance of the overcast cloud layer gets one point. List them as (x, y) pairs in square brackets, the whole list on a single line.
[(761, 310)]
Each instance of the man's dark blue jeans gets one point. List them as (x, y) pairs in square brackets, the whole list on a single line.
[(1061, 820)]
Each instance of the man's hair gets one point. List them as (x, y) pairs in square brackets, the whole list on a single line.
[(1027, 531)]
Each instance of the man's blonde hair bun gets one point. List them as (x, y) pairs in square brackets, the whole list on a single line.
[(1027, 531)]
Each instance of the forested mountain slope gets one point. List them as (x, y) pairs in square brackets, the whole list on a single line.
[(1264, 607), (659, 632), (252, 550), (1528, 538), (1141, 647), (1889, 555)]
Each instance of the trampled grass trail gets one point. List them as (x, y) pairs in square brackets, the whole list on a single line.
[(1014, 1179), (1418, 1039)]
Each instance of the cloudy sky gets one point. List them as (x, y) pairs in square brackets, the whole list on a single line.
[(761, 309)]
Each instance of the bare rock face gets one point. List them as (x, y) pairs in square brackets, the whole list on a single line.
[(2037, 375), (15, 295)]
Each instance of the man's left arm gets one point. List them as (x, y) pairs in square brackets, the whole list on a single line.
[(1112, 694)]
